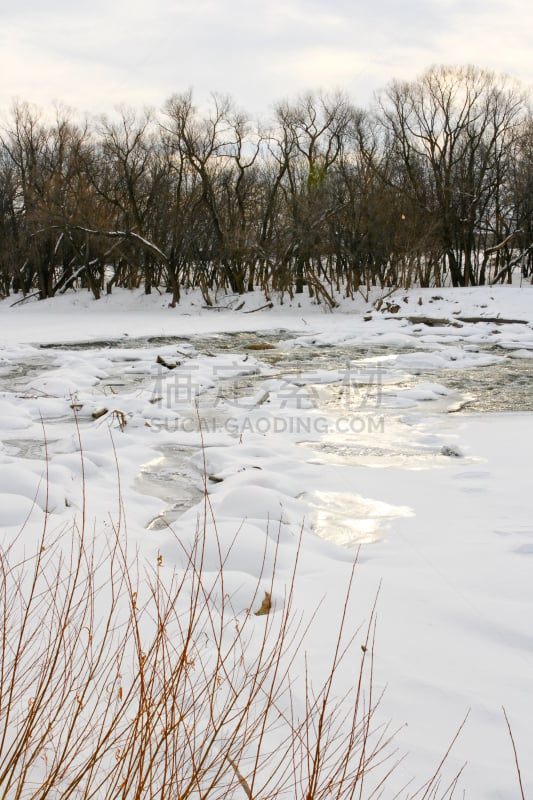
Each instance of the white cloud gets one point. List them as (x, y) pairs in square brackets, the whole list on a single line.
[(96, 56)]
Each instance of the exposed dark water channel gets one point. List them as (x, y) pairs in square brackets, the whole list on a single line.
[(505, 385), (499, 383)]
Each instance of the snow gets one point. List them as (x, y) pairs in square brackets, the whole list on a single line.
[(434, 500)]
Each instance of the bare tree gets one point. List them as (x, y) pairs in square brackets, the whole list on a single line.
[(314, 132), (450, 131), (325, 197)]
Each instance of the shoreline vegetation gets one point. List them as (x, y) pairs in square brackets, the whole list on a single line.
[(126, 678), (174, 689), (431, 186)]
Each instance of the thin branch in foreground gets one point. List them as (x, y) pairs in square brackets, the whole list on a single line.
[(515, 754)]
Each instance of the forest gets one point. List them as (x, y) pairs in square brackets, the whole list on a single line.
[(432, 185)]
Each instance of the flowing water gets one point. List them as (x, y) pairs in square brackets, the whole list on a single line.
[(505, 385)]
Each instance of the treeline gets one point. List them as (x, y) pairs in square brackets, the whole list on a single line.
[(433, 185)]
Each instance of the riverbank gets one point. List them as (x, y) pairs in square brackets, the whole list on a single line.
[(336, 427), (77, 316)]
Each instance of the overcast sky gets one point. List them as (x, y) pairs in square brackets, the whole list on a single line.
[(98, 54)]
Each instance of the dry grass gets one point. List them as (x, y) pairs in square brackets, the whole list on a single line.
[(121, 679)]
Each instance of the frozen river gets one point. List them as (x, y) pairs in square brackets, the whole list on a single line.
[(413, 453)]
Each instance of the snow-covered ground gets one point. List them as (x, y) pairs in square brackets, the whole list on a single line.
[(343, 422)]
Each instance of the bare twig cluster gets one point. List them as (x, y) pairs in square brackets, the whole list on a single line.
[(121, 678), (115, 683)]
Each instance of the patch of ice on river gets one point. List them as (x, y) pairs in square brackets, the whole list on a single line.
[(348, 519)]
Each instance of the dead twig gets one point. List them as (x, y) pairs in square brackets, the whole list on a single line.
[(515, 754)]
